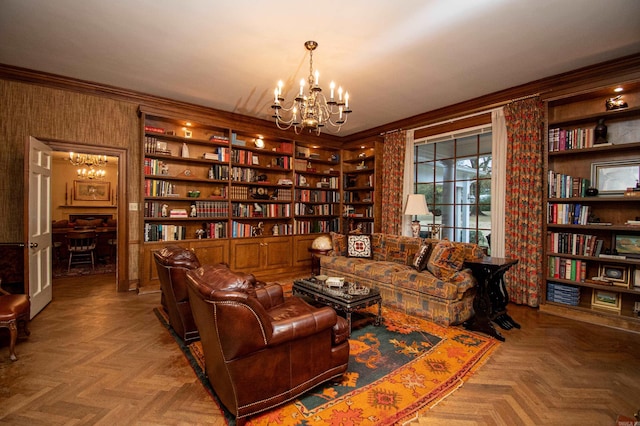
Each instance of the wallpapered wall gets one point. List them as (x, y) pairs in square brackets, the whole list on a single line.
[(32, 110)]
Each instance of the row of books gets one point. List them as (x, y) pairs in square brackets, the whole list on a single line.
[(568, 269), (565, 294), (219, 171), (329, 182), (316, 196), (212, 208), (241, 174), (220, 153), (317, 226), (164, 232), (214, 230), (153, 166), (564, 186), (576, 244), (239, 229), (260, 210), (568, 214), (240, 156), (354, 197), (564, 139), (159, 188), (315, 210)]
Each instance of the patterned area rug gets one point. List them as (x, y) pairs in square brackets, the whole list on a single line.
[(75, 271), (395, 371)]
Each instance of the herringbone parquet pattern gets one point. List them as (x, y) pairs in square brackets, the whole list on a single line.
[(98, 357)]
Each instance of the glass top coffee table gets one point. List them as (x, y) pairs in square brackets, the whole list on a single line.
[(339, 298)]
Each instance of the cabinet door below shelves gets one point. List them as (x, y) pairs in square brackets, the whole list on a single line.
[(259, 254)]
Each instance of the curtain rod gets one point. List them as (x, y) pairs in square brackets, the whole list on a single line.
[(490, 108)]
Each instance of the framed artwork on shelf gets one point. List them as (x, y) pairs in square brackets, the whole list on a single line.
[(606, 300), (615, 274), (84, 190), (627, 245), (614, 177)]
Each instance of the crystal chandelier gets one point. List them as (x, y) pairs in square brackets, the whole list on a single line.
[(313, 110), (87, 159), (91, 161)]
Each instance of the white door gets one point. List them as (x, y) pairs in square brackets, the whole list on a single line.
[(38, 160)]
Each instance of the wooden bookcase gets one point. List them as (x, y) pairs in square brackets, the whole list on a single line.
[(579, 227), (317, 189), (231, 196), (362, 185)]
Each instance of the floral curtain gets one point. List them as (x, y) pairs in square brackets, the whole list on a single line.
[(524, 199), (392, 181)]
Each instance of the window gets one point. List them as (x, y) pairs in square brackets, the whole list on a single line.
[(454, 173)]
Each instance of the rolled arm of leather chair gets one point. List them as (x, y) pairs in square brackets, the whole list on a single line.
[(270, 295), (305, 320)]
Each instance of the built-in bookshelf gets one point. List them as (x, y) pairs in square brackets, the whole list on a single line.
[(360, 188), (591, 223), (317, 189), (252, 200)]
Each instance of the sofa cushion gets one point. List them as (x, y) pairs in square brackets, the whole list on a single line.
[(421, 258), (359, 246), (339, 242), (395, 248), (341, 263), (446, 259), (378, 271), (424, 282)]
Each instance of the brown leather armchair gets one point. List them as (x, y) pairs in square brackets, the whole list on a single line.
[(173, 262), (260, 348)]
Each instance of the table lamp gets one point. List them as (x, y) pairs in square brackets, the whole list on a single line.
[(416, 205)]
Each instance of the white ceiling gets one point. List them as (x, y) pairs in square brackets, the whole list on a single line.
[(396, 58)]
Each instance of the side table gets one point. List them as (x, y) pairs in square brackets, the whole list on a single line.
[(490, 302), (315, 260)]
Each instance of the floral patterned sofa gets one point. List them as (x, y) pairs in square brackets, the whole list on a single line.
[(421, 277)]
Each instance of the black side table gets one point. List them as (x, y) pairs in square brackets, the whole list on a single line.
[(315, 260), (490, 302)]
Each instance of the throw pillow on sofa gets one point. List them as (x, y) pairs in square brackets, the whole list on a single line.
[(422, 257), (339, 243), (359, 246), (446, 259)]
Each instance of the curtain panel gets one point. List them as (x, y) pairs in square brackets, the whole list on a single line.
[(523, 201), (393, 181)]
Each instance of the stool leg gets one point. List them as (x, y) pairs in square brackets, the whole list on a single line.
[(13, 330)]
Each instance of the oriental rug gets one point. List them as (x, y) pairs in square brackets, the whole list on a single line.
[(396, 371)]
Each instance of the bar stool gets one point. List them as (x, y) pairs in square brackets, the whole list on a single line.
[(14, 309)]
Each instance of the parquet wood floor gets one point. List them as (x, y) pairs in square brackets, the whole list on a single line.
[(97, 357)]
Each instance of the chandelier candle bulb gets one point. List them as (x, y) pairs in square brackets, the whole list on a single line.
[(332, 86)]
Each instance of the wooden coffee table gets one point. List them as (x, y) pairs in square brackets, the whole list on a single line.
[(339, 298)]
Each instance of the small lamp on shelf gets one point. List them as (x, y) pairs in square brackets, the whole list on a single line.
[(416, 205)]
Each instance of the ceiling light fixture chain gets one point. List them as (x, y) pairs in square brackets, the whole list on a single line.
[(312, 111)]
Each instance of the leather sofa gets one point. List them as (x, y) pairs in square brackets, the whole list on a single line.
[(262, 349), (441, 290), (173, 262)]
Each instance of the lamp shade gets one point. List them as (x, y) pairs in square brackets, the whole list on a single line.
[(416, 205)]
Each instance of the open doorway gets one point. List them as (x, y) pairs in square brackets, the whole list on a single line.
[(87, 189)]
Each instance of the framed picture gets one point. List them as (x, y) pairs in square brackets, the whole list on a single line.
[(615, 274), (84, 190), (614, 177), (627, 245), (606, 300)]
